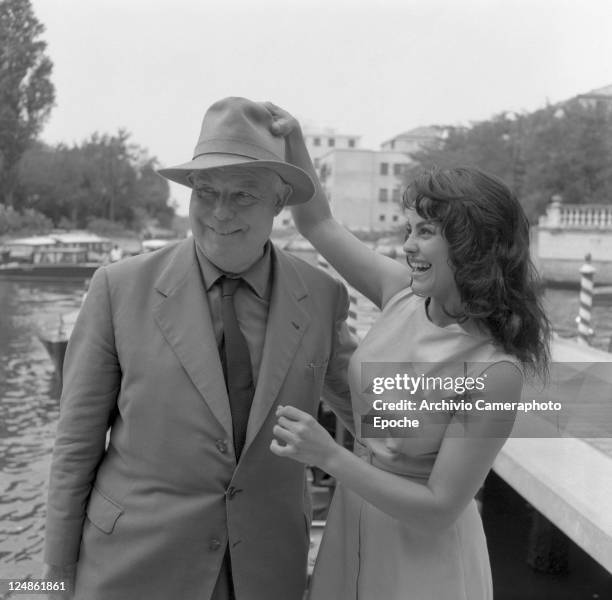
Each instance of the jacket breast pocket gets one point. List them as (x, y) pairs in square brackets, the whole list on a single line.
[(315, 369), (102, 511)]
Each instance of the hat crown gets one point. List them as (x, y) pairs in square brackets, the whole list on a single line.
[(242, 127), (236, 132)]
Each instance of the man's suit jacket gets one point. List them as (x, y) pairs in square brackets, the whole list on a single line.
[(150, 515)]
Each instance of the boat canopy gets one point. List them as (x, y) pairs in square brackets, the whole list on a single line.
[(79, 237), (35, 241), (22, 249), (71, 238)]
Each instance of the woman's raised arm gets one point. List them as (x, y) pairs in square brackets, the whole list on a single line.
[(375, 276)]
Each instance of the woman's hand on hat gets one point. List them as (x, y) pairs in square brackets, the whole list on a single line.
[(301, 437), (287, 126), (283, 123)]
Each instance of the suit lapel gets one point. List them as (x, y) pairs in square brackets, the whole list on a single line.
[(183, 316), (287, 322)]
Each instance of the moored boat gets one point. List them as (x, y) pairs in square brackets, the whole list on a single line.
[(72, 256), (54, 337), (56, 349)]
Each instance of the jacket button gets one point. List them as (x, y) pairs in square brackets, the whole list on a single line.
[(221, 446), (215, 544)]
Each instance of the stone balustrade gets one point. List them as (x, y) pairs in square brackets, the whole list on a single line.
[(577, 216), (566, 234)]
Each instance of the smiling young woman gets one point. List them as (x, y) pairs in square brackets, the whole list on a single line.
[(427, 255), (403, 522), (482, 227)]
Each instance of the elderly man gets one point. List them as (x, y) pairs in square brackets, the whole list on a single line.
[(182, 357)]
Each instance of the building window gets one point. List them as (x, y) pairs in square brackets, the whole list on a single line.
[(399, 169), (331, 142), (392, 144), (351, 143), (316, 141), (381, 217), (396, 195), (384, 168), (395, 218), (383, 195)]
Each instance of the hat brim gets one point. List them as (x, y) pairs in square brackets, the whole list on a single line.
[(298, 179)]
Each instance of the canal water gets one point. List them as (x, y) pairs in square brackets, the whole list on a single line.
[(29, 404), (28, 414)]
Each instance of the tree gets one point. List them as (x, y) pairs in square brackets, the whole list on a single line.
[(564, 150), (26, 91), (569, 151), (487, 145), (52, 181), (109, 176), (152, 193), (105, 178)]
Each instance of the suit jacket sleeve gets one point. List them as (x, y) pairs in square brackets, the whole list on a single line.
[(336, 390), (92, 378)]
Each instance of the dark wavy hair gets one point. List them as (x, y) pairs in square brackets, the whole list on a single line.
[(488, 237)]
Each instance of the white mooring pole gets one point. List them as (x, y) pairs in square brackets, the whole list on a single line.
[(587, 272)]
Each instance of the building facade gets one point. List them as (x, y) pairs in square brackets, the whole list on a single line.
[(601, 96), (319, 142), (364, 187), (416, 139)]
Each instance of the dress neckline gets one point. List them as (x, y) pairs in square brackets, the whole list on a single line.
[(453, 326)]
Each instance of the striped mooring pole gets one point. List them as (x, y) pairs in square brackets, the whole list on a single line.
[(587, 272)]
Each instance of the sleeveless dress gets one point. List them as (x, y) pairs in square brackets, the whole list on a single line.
[(366, 554)]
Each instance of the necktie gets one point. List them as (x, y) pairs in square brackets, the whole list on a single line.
[(238, 376)]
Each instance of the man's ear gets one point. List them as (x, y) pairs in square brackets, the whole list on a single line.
[(283, 198)]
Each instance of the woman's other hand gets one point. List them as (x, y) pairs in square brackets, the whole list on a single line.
[(303, 438)]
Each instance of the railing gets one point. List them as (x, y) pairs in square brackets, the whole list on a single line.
[(584, 216), (596, 216)]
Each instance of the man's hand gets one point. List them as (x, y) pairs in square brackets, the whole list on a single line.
[(305, 440), (283, 123), (60, 574)]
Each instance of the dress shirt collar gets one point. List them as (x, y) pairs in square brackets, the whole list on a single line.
[(258, 275)]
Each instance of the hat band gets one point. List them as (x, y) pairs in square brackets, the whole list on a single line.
[(236, 147)]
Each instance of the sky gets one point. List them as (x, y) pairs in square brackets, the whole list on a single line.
[(372, 68)]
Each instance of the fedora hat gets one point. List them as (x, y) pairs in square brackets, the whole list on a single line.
[(236, 132)]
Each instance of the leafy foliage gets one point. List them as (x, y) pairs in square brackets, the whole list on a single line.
[(105, 177), (26, 91), (28, 221), (565, 150)]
